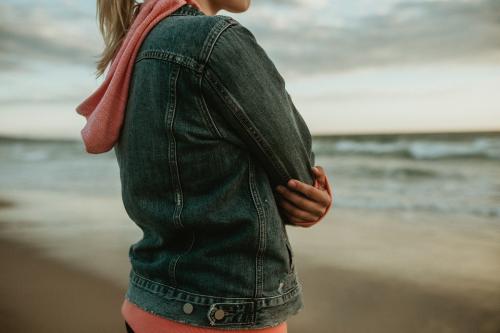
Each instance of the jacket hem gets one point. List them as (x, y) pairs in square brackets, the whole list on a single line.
[(238, 313)]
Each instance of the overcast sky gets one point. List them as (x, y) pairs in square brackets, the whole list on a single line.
[(351, 66)]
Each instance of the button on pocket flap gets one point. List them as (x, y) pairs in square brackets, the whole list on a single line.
[(231, 313)]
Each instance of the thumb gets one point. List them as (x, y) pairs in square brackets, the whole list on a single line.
[(320, 177)]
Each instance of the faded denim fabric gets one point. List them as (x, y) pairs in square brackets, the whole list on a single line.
[(209, 131)]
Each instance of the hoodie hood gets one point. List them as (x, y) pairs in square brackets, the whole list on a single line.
[(104, 109)]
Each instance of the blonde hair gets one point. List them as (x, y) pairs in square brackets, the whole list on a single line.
[(115, 18)]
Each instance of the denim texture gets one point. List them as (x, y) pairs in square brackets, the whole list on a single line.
[(209, 131)]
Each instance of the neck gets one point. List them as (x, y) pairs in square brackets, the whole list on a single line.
[(207, 7)]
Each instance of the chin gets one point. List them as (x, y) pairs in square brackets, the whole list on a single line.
[(246, 4), (238, 6)]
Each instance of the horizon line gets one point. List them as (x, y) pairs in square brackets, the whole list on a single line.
[(8, 137)]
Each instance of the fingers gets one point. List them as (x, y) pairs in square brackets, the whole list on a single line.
[(309, 191), (298, 222), (320, 175), (318, 170), (300, 201), (295, 214)]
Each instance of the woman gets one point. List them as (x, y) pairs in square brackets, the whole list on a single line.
[(214, 160)]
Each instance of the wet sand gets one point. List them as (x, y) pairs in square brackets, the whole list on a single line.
[(342, 294), (44, 295)]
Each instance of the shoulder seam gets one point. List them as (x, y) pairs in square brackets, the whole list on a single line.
[(214, 34)]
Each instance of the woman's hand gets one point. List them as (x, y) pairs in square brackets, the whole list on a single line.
[(305, 204)]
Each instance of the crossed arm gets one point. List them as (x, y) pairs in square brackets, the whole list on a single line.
[(305, 205), (250, 94)]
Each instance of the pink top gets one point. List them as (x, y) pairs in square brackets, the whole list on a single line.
[(144, 322)]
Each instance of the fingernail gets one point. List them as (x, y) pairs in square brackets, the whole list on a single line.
[(292, 183)]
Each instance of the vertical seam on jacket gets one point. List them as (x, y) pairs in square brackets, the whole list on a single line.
[(176, 260), (172, 160), (205, 111), (261, 217)]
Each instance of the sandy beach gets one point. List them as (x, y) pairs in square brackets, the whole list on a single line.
[(343, 292), (47, 296)]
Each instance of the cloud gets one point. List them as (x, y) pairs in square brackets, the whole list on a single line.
[(416, 32), (39, 34), (302, 36)]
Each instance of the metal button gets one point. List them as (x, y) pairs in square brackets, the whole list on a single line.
[(219, 314), (187, 308)]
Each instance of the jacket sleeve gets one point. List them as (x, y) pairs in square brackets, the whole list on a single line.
[(253, 99)]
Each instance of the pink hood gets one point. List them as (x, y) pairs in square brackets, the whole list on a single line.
[(104, 110)]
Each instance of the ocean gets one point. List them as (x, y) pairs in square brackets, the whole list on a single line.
[(455, 173), (415, 223)]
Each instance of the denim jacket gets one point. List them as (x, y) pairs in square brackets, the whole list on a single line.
[(209, 131)]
